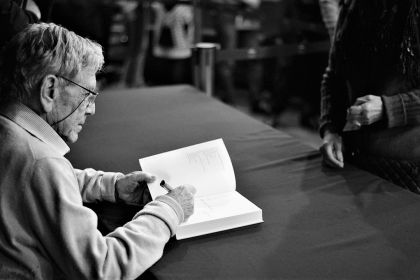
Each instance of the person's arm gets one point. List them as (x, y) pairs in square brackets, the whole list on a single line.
[(68, 235), (97, 185), (402, 109), (129, 188), (333, 95), (332, 118), (13, 19), (333, 113), (394, 111)]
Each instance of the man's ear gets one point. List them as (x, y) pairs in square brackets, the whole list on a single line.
[(49, 91)]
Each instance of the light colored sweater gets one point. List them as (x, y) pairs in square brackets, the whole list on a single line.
[(46, 232)]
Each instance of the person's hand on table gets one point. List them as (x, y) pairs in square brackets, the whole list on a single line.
[(365, 111), (332, 150), (130, 187), (184, 195)]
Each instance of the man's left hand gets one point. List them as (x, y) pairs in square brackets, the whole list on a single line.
[(365, 111), (130, 187)]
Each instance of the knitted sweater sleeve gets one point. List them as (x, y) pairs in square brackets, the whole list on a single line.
[(68, 231), (402, 109)]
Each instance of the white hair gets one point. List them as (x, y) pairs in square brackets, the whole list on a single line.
[(42, 49)]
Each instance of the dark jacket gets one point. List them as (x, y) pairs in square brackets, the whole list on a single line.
[(366, 58)]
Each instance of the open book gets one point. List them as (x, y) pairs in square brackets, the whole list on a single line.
[(206, 166)]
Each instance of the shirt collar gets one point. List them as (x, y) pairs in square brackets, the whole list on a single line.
[(35, 125)]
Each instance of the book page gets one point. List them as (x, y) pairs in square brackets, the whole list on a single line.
[(206, 166), (220, 206)]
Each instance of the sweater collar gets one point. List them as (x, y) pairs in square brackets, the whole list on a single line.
[(35, 125)]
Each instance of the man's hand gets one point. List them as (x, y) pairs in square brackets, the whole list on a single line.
[(131, 186), (365, 111), (184, 195), (332, 150)]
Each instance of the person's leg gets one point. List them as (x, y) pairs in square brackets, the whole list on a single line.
[(226, 31), (254, 75), (181, 71), (283, 88), (138, 43)]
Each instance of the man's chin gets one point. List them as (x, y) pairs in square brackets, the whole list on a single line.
[(70, 139)]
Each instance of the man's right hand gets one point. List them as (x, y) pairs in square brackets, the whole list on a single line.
[(332, 150), (184, 195)]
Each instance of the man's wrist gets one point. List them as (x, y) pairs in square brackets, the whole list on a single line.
[(116, 192), (327, 129), (176, 207)]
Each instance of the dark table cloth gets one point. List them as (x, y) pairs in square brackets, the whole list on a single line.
[(318, 223)]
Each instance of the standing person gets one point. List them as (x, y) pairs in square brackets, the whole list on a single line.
[(370, 109), (224, 14), (173, 32), (47, 82), (137, 19), (300, 75)]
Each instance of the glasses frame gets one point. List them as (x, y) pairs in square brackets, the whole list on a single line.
[(74, 83), (90, 103)]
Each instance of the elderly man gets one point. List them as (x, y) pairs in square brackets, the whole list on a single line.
[(47, 82)]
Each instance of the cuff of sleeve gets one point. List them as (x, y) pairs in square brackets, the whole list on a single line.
[(163, 209), (174, 205), (327, 126), (108, 182), (395, 110)]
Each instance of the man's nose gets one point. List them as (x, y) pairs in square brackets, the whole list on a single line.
[(91, 109)]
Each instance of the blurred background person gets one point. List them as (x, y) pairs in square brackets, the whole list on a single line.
[(299, 75), (136, 15), (173, 32), (225, 16)]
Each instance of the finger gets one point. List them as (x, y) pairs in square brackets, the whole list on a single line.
[(144, 176), (355, 110), (355, 120), (339, 155), (333, 162), (191, 189), (330, 157), (361, 100), (330, 163)]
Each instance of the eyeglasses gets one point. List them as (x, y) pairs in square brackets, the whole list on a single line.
[(90, 97)]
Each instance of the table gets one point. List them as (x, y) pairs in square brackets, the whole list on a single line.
[(318, 223)]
